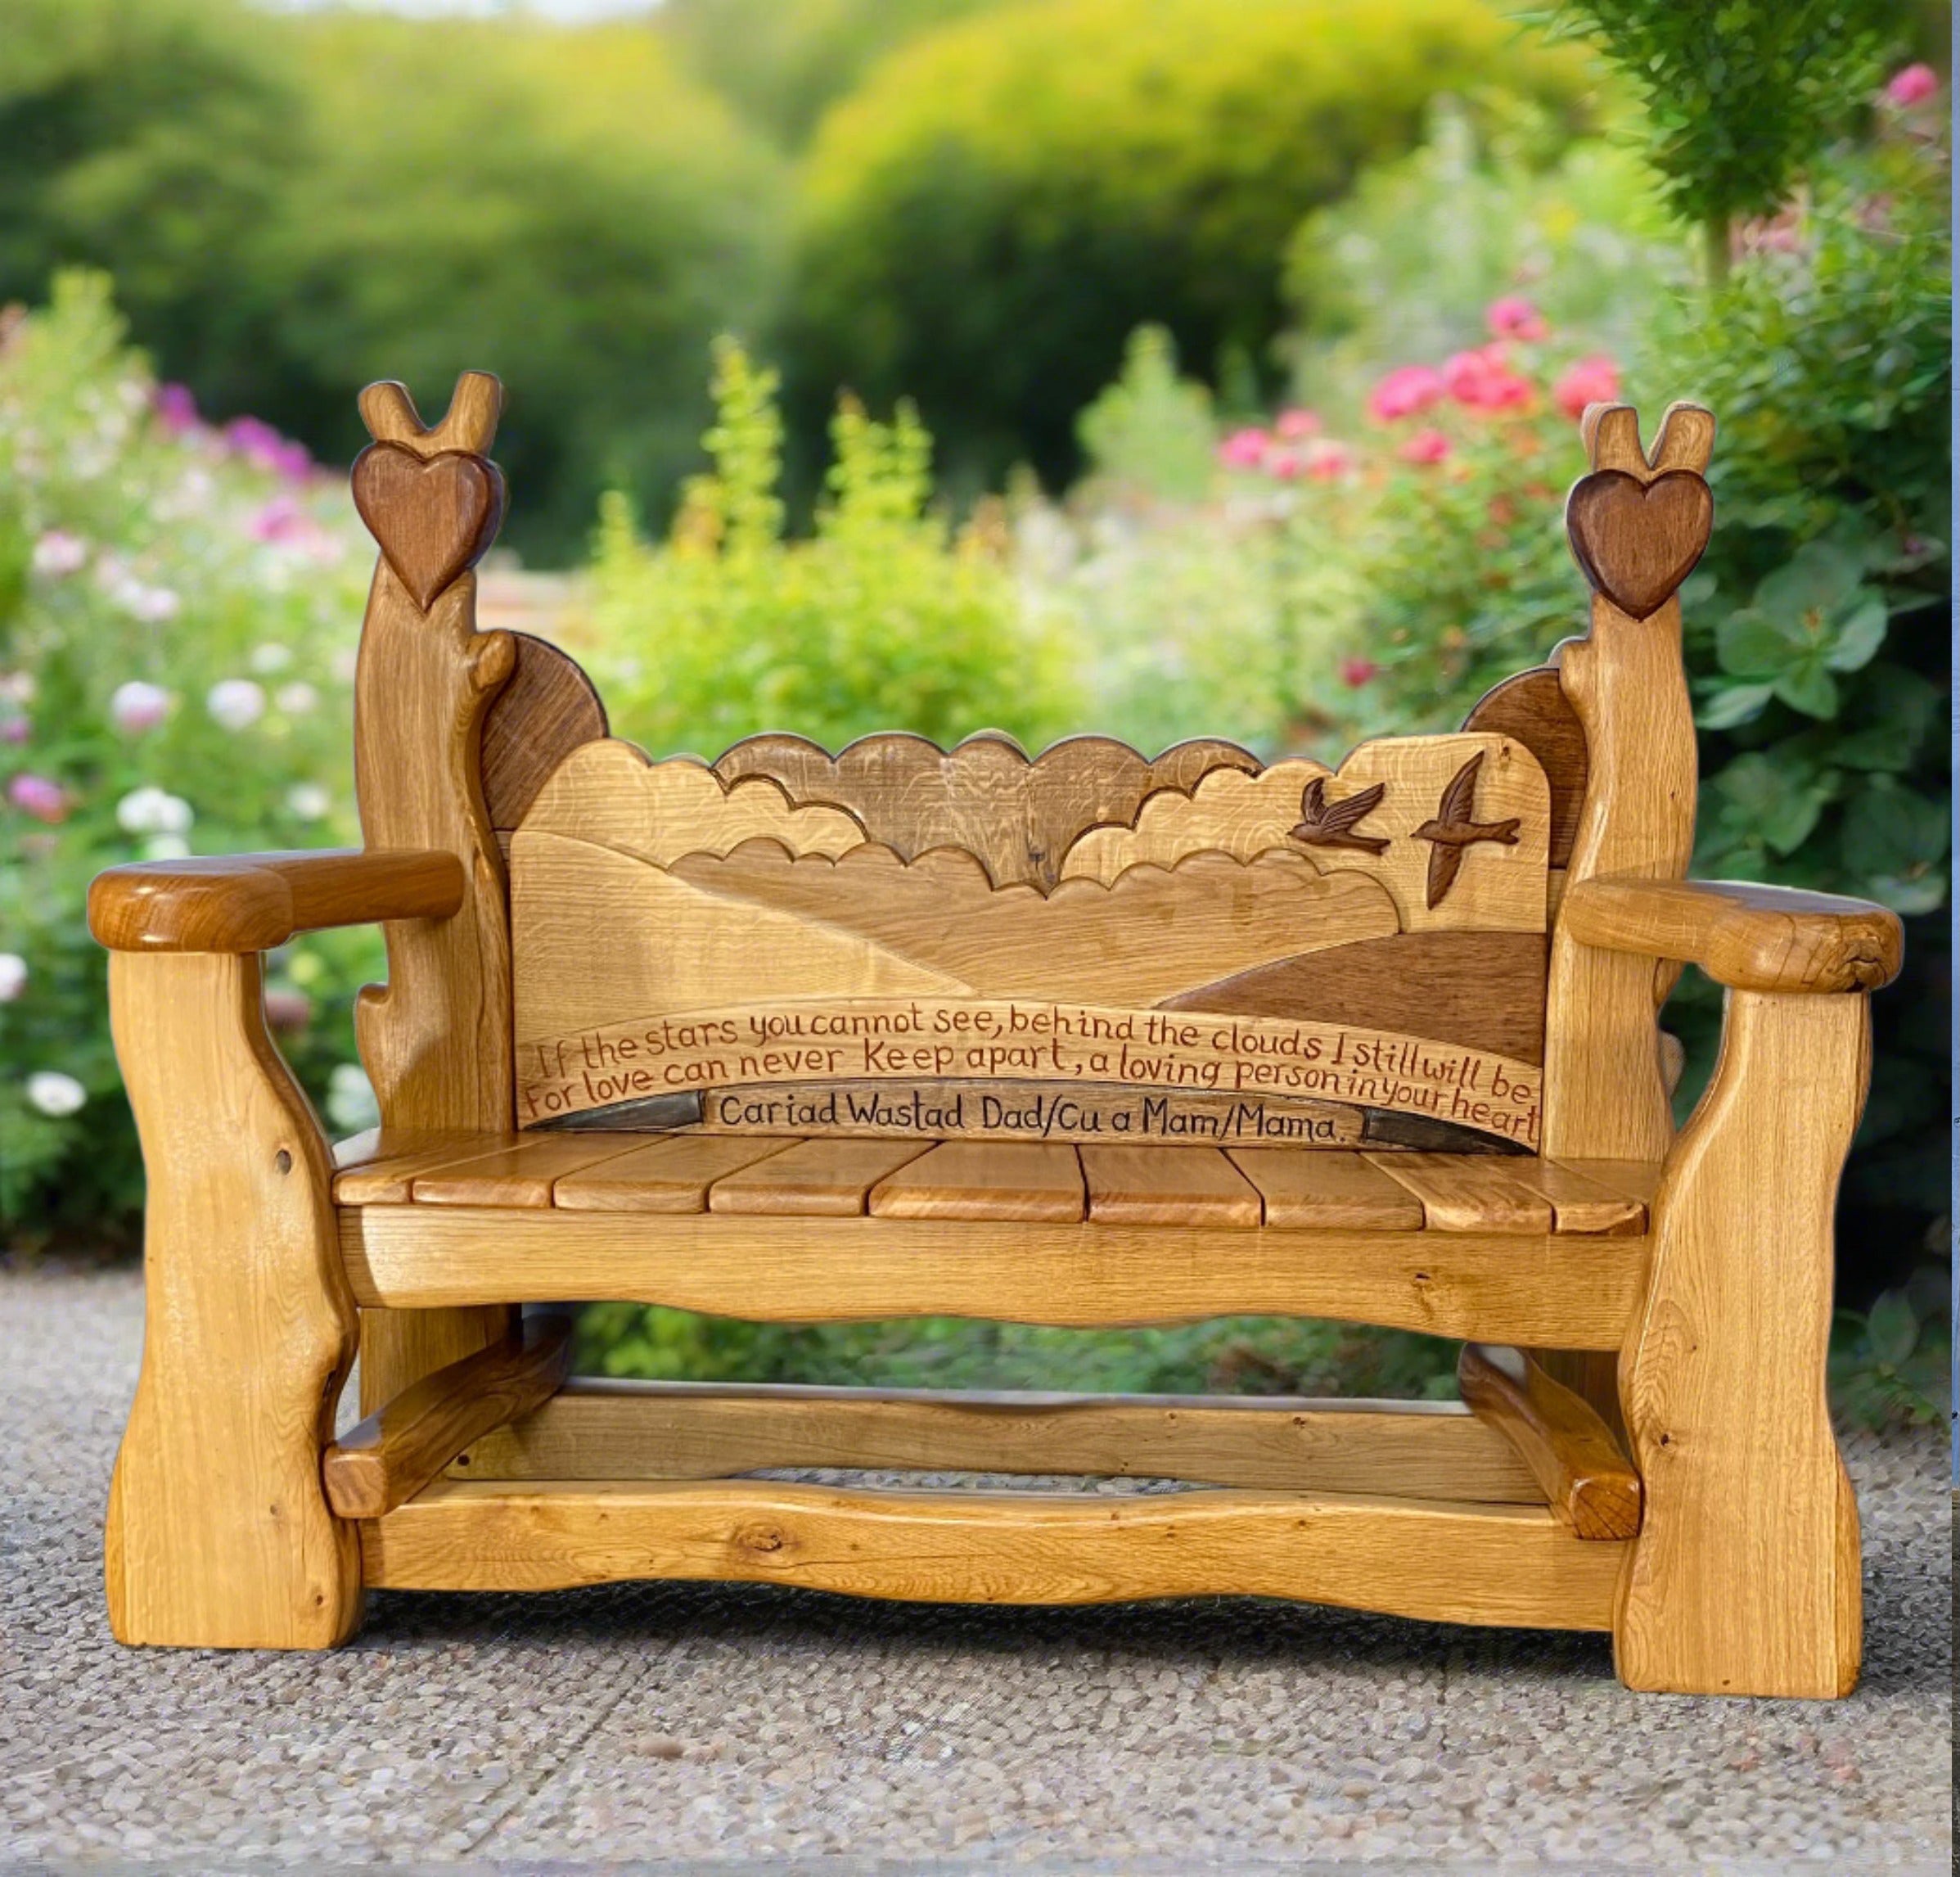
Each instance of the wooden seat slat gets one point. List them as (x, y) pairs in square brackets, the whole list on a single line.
[(380, 1167), (821, 1179), (1469, 1191), (985, 1179), (521, 1174), (1579, 1203), (671, 1173), (1309, 1187), (1168, 1186)]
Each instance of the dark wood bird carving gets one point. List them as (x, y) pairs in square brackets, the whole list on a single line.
[(1325, 824), (1453, 830)]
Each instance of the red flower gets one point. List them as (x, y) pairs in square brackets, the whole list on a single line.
[(1295, 423), (1404, 391), (1513, 317), (1355, 672), (1425, 446), (1914, 85), (1593, 380), (1244, 448)]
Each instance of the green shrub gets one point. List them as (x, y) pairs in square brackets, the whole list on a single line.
[(885, 619), (986, 219), (178, 611)]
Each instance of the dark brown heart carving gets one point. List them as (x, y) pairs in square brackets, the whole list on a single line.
[(1635, 542), (433, 515)]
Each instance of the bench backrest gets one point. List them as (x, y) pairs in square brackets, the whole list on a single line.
[(1086, 945)]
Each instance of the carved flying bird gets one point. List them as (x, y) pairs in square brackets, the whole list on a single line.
[(1453, 830), (1325, 824)]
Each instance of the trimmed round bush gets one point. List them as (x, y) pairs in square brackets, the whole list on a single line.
[(1002, 201)]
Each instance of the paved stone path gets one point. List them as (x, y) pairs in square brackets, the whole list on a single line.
[(710, 1728)]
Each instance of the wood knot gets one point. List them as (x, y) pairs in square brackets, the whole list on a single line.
[(760, 1538)]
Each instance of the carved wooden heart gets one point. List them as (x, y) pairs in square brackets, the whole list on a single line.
[(433, 515), (1637, 542)]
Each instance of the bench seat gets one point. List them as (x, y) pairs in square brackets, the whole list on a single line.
[(1222, 1189)]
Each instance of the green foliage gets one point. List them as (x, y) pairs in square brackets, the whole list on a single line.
[(1739, 98), (1151, 431), (782, 63), (177, 615), (294, 207), (1227, 1355), (885, 618), (1003, 200), (1892, 1364)]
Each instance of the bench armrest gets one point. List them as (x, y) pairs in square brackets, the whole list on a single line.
[(1747, 936), (252, 902)]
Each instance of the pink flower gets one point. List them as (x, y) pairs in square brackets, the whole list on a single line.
[(1592, 381), (282, 520), (57, 552), (1245, 449), (1483, 381), (136, 706), (258, 443), (1327, 461), (1286, 464), (1913, 86), (1404, 391), (176, 409), (1296, 423), (15, 730), (1355, 672), (1425, 446), (35, 795), (1513, 317)]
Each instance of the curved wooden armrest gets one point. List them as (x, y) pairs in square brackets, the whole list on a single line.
[(252, 902), (1747, 936)]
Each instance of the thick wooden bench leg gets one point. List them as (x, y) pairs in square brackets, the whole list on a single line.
[(1745, 1577), (218, 1533)]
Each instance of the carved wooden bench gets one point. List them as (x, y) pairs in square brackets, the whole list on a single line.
[(1086, 1040)]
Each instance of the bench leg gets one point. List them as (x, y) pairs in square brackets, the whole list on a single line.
[(219, 1534), (1745, 1577)]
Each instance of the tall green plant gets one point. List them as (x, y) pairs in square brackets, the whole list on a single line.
[(887, 618)]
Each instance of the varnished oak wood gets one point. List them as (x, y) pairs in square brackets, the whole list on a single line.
[(1577, 1291), (1168, 1186), (256, 902), (984, 1180), (1426, 1558), (1018, 817), (1533, 709), (1500, 888), (391, 1455), (219, 1535), (398, 1347), (1744, 1578), (1747, 936), (821, 1179), (666, 1175), (1587, 1480), (1303, 1189), (386, 1176), (1605, 1097), (548, 709), (679, 1430), (1460, 1192), (521, 1176)]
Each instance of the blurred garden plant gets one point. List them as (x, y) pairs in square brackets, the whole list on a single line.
[(178, 609), (887, 615)]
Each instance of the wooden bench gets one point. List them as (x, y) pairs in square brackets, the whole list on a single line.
[(1085, 1039)]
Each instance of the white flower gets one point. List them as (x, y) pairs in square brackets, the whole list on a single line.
[(152, 810), (165, 847), (58, 553), (13, 976), (16, 687), (297, 699), (138, 705), (308, 801), (269, 658), (152, 604), (350, 1102), (55, 1093), (236, 703)]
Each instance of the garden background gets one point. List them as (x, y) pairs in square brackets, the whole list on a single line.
[(1155, 367)]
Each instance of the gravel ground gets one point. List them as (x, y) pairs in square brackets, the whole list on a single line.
[(687, 1727)]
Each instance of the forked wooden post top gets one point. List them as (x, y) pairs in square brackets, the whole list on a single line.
[(469, 425)]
